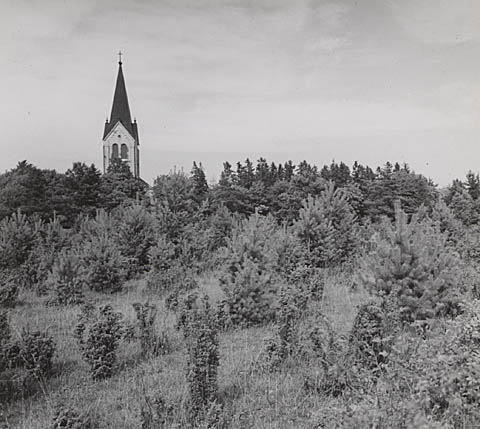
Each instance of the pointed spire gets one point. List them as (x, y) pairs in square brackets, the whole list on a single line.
[(120, 107)]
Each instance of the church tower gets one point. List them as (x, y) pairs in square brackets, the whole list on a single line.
[(120, 137)]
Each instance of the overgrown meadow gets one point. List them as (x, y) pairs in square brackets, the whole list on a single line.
[(283, 296)]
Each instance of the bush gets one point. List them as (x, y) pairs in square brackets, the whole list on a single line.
[(36, 352), (251, 297), (23, 362), (173, 280), (66, 281), (152, 344), (292, 305), (412, 262), (259, 257), (368, 339), (135, 235), (17, 239), (167, 273), (250, 261), (103, 265), (201, 336), (98, 334), (446, 368), (4, 339), (327, 227), (291, 258), (33, 352), (430, 380), (319, 343), (8, 290), (156, 413), (69, 417), (51, 241)]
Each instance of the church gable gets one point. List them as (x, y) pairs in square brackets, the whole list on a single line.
[(119, 132), (120, 135)]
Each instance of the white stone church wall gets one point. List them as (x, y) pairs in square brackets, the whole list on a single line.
[(119, 135)]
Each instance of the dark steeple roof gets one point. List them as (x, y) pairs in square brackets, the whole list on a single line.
[(120, 108)]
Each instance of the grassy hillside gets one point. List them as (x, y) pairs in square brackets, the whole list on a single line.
[(295, 299), (255, 398)]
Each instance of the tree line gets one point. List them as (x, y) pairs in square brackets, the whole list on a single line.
[(263, 187)]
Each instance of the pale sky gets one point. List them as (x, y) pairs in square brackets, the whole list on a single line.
[(215, 80)]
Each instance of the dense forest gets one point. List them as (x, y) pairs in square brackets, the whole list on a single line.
[(286, 296)]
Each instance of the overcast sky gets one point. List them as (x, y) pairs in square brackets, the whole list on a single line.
[(214, 80)]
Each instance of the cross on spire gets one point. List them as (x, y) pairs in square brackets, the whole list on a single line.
[(120, 57)]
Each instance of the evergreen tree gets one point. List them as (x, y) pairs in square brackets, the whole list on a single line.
[(472, 185), (316, 232), (135, 235), (327, 226), (25, 188), (227, 176), (411, 189), (412, 264), (339, 174), (82, 187), (465, 207), (262, 172), (199, 181), (289, 169), (119, 187), (245, 174)]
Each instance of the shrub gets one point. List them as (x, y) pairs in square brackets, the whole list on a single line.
[(36, 352), (167, 273), (4, 339), (412, 262), (251, 297), (249, 264), (8, 290), (292, 305), (330, 368), (175, 279), (152, 344), (17, 239), (316, 233), (69, 417), (51, 241), (103, 265), (368, 336), (98, 334), (201, 336), (135, 235), (446, 369), (66, 281), (156, 413), (259, 257), (372, 413), (23, 362), (185, 306), (193, 247), (430, 379), (33, 351), (327, 227), (291, 258)]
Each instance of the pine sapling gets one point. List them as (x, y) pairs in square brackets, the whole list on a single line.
[(98, 333), (152, 343), (201, 335)]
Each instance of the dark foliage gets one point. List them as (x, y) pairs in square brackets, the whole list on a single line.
[(98, 333)]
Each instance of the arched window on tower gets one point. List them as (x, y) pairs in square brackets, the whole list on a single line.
[(115, 150), (124, 151)]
